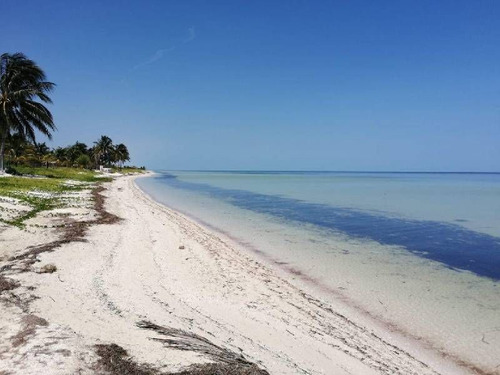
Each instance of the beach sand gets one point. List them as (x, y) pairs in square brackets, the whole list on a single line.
[(173, 293)]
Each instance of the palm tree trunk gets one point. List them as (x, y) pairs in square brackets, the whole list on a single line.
[(2, 150)]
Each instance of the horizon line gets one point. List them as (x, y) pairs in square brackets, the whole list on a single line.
[(327, 171)]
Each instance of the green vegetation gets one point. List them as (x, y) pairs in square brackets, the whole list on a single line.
[(23, 90), (22, 152), (23, 184), (64, 173), (44, 193), (42, 176), (129, 170), (37, 204), (44, 189)]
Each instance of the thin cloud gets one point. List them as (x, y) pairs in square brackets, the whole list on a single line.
[(191, 35), (159, 54), (155, 57)]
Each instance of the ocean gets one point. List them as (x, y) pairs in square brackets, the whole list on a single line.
[(419, 251)]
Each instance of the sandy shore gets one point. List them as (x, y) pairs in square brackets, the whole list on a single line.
[(173, 293)]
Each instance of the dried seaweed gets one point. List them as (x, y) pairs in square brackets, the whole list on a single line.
[(183, 340)]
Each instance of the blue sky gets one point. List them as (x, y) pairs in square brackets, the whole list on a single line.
[(289, 85)]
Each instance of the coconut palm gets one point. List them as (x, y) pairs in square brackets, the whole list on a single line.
[(121, 154), (103, 150), (61, 155), (29, 155), (14, 147), (75, 151), (49, 159), (23, 89), (41, 149)]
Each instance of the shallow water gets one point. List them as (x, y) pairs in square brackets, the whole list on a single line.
[(419, 251), (450, 218)]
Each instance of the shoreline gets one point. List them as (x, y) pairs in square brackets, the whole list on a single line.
[(414, 301), (305, 283), (160, 266)]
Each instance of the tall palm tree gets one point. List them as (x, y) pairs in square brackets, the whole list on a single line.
[(76, 150), (121, 154), (103, 150), (42, 149), (14, 146), (61, 155), (23, 90)]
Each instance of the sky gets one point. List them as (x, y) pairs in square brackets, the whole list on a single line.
[(272, 85)]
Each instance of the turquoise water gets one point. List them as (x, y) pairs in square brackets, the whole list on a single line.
[(453, 219), (420, 252)]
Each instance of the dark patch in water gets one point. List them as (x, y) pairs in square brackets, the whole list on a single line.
[(451, 244)]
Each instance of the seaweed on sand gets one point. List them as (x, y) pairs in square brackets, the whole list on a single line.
[(114, 360), (7, 284), (72, 232)]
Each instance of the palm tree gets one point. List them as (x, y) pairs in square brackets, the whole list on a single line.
[(103, 150), (75, 151), (22, 87), (29, 155), (121, 154), (48, 159), (42, 150), (61, 155), (14, 147)]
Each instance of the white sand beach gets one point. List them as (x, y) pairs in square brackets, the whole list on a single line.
[(156, 282)]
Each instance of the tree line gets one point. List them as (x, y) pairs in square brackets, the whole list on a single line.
[(24, 93), (19, 151)]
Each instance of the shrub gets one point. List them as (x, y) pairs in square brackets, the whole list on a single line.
[(83, 160), (13, 171)]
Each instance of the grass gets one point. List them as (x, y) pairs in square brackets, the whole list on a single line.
[(51, 183), (37, 204), (24, 184), (19, 188), (66, 173), (126, 170), (71, 232)]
